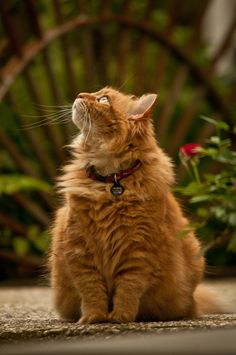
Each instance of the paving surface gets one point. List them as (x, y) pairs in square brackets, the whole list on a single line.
[(26, 313), (29, 325)]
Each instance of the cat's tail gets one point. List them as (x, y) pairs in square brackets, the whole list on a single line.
[(207, 301)]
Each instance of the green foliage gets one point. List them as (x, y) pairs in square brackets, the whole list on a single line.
[(39, 240), (21, 245), (212, 196), (10, 183), (181, 35), (35, 242)]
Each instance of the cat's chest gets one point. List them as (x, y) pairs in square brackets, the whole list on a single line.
[(112, 231), (109, 230), (106, 224)]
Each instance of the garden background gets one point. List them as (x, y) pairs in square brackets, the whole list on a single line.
[(50, 50)]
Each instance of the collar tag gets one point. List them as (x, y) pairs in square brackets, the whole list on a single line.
[(114, 178), (117, 189)]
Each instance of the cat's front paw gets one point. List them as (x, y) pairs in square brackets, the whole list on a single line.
[(120, 317), (93, 318)]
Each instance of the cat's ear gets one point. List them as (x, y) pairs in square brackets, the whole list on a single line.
[(141, 107)]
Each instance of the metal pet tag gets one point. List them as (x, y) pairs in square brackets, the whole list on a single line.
[(117, 189)]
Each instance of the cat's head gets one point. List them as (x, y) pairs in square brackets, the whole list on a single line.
[(111, 116)]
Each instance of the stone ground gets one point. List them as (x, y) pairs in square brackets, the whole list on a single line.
[(26, 315)]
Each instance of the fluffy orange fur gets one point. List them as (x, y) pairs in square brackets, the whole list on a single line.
[(119, 258)]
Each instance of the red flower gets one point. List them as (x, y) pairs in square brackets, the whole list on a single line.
[(190, 150)]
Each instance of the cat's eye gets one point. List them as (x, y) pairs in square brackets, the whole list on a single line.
[(103, 100)]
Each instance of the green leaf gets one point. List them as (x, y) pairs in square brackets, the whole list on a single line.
[(21, 245), (181, 35), (211, 152), (218, 124), (208, 119), (210, 177), (222, 125), (10, 183), (191, 189), (202, 212), (42, 242), (232, 219), (215, 140), (160, 17), (200, 198), (33, 232), (232, 243), (219, 212)]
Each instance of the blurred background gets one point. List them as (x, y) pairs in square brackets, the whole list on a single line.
[(51, 50)]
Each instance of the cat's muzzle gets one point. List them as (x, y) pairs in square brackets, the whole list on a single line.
[(79, 111)]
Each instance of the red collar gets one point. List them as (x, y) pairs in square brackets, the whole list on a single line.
[(115, 177)]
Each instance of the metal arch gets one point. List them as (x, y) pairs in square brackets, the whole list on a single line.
[(16, 66)]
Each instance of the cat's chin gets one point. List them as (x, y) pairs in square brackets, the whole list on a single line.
[(77, 120)]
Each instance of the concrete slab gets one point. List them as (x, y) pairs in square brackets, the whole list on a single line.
[(207, 342), (26, 314)]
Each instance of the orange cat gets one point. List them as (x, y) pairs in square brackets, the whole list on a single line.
[(116, 255)]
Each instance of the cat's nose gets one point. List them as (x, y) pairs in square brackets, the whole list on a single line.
[(85, 95)]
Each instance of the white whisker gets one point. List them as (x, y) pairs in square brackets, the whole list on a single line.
[(56, 106), (47, 121), (62, 121), (55, 113)]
